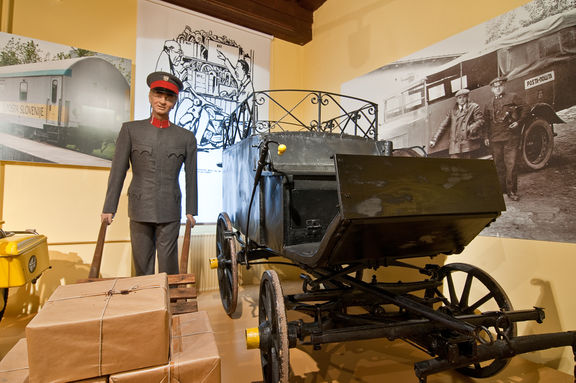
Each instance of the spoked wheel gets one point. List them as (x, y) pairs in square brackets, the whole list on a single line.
[(3, 301), (479, 293), (274, 352), (227, 263)]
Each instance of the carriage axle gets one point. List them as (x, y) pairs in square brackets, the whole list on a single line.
[(407, 329)]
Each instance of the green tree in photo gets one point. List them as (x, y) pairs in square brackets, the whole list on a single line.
[(9, 55), (17, 52)]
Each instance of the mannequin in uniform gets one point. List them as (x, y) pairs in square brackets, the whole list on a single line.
[(156, 149)]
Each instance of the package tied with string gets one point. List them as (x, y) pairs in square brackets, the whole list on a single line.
[(194, 355), (99, 328)]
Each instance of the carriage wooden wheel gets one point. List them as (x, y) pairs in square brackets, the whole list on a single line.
[(227, 263), (273, 328), (491, 298)]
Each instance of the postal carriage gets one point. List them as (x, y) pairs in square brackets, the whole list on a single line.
[(340, 203)]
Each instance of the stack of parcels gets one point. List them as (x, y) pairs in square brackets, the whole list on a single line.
[(109, 330)]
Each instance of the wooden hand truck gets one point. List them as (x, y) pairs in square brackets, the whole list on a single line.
[(182, 289)]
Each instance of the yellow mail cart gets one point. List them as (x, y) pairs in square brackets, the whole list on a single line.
[(23, 258)]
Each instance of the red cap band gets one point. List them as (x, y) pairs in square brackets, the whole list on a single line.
[(164, 84)]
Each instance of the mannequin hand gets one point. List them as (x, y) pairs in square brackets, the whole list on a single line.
[(107, 217)]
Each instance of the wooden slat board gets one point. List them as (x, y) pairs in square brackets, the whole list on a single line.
[(181, 279), (182, 293), (183, 307)]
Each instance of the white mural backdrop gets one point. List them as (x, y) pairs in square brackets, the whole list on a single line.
[(219, 63)]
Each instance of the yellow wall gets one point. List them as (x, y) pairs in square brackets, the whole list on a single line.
[(350, 38), (105, 26)]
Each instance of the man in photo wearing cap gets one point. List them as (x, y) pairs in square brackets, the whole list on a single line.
[(466, 123), (156, 150), (504, 114)]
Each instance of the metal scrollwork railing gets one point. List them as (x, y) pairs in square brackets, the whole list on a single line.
[(300, 110)]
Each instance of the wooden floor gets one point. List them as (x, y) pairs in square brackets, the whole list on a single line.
[(358, 362)]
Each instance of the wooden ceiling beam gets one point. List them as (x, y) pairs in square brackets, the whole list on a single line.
[(289, 20)]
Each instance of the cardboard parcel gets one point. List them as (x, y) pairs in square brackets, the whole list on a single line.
[(194, 355), (14, 366), (100, 328)]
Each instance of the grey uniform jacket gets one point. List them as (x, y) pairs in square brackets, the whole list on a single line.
[(156, 156)]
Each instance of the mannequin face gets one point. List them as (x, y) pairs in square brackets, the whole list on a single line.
[(161, 103)]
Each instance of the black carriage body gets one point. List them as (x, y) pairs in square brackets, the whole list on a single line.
[(297, 198), (334, 199), (401, 207)]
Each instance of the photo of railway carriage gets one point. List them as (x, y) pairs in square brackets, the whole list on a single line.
[(78, 104)]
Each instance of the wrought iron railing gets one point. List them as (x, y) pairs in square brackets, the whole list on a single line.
[(300, 110)]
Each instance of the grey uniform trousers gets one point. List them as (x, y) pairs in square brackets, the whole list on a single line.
[(149, 237)]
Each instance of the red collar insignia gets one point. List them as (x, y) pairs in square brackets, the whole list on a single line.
[(159, 123)]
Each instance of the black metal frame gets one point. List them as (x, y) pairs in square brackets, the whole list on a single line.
[(358, 119)]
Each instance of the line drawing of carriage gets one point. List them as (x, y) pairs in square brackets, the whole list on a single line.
[(335, 202), (217, 74)]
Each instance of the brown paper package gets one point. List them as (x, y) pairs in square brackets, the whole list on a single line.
[(94, 329), (14, 366), (194, 355)]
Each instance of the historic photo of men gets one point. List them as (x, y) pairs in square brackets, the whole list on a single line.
[(516, 73)]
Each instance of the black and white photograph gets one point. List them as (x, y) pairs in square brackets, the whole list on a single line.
[(60, 104), (501, 91)]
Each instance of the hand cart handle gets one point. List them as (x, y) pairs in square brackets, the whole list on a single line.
[(185, 248), (97, 259)]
